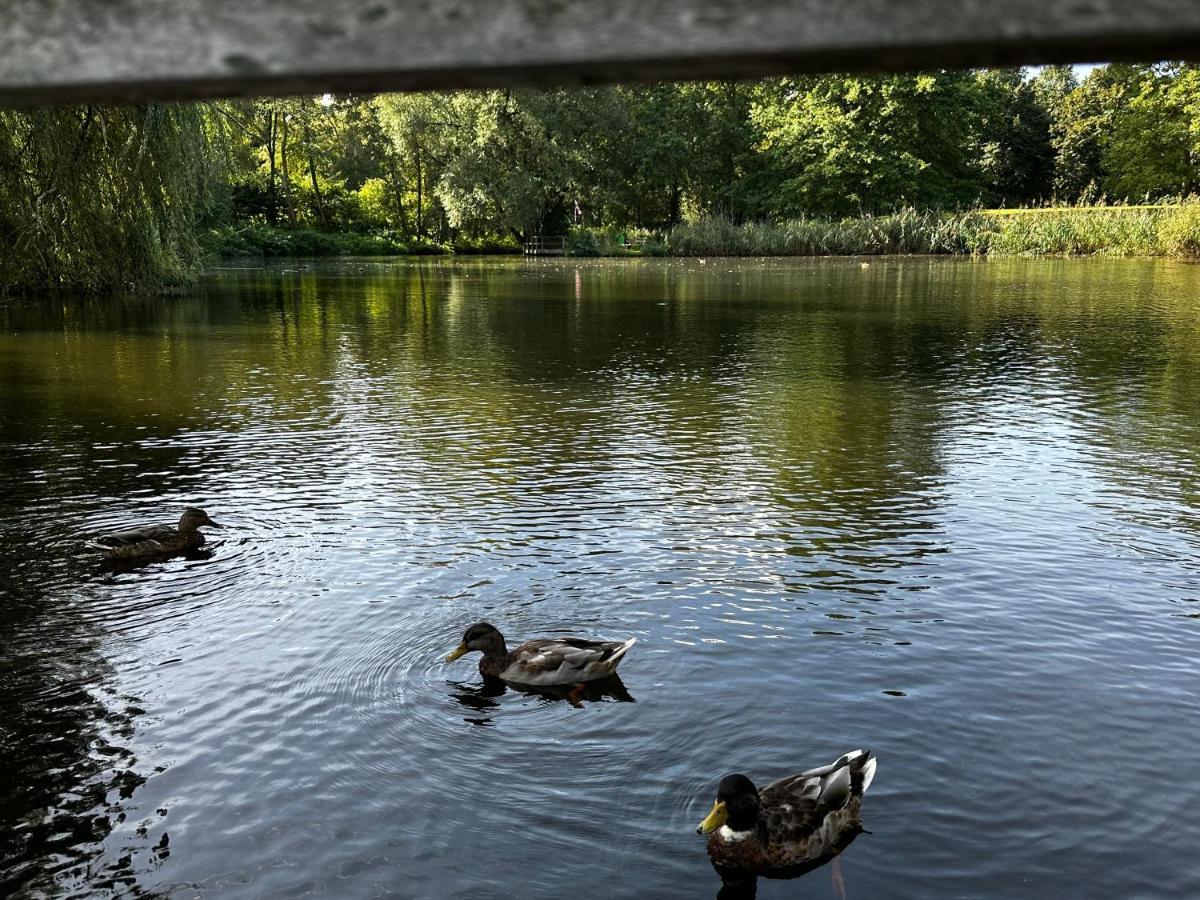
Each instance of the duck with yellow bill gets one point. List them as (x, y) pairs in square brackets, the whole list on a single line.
[(544, 661), (795, 822)]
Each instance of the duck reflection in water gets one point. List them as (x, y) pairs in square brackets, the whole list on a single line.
[(485, 697), (129, 565), (737, 885)]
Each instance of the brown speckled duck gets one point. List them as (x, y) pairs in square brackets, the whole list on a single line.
[(149, 541), (791, 823), (541, 662)]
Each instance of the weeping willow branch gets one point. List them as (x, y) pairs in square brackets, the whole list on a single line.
[(102, 198)]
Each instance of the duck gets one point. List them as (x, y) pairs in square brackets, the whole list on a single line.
[(800, 821), (545, 661), (155, 540)]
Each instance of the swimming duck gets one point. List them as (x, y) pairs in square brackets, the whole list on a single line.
[(796, 821), (155, 540), (543, 661)]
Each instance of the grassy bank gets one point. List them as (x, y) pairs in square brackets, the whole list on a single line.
[(1168, 230), (1051, 231)]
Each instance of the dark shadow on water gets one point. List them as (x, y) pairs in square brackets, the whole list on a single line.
[(484, 697), (480, 698), (68, 772), (742, 886)]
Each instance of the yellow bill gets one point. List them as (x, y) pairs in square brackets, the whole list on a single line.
[(458, 651), (715, 819)]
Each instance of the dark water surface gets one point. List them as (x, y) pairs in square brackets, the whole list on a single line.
[(947, 510)]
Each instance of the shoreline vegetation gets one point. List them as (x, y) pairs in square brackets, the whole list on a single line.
[(98, 198), (1162, 230)]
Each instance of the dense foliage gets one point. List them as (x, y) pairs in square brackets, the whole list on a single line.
[(102, 196), (108, 196)]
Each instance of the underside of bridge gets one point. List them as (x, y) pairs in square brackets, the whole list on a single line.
[(133, 50)]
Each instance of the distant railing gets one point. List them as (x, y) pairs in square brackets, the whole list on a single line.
[(541, 245)]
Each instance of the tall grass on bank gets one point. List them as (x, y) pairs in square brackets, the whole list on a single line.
[(1051, 231), (1078, 231), (905, 231), (1179, 232)]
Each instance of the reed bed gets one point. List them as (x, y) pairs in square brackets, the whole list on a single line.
[(1166, 230)]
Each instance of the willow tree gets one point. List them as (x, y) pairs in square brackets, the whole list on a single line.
[(98, 198)]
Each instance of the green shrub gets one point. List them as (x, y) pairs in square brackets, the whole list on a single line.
[(583, 242), (486, 245), (377, 203), (262, 240)]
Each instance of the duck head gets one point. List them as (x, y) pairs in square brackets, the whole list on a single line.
[(736, 806), (193, 518), (482, 637)]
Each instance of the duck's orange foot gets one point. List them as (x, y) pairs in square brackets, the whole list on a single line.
[(575, 698)]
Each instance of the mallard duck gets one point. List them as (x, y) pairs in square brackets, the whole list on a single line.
[(793, 822), (543, 661), (155, 540)]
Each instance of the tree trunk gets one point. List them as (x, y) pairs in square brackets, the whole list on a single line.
[(272, 200), (287, 178), (676, 204), (312, 174), (420, 211), (398, 190)]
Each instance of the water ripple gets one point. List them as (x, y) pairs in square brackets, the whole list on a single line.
[(947, 510)]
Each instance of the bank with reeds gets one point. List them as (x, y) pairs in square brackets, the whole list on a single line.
[(1160, 230), (1163, 230)]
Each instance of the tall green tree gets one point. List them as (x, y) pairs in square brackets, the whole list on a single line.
[(843, 144), (1081, 129), (1149, 152), (1016, 157)]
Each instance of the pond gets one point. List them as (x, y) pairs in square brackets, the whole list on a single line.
[(945, 509)]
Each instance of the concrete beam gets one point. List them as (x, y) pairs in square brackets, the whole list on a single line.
[(126, 50)]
